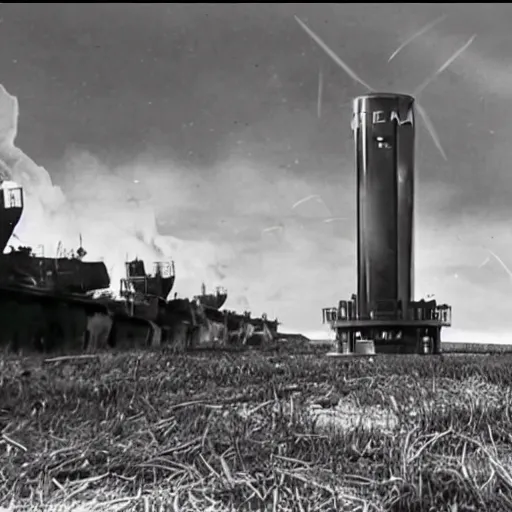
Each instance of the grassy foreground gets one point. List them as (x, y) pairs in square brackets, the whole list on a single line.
[(241, 431)]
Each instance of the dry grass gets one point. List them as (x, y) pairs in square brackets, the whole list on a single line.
[(241, 431)]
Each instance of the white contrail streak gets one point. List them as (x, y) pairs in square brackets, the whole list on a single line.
[(308, 198), (332, 219), (320, 93), (352, 74), (501, 262), (428, 123), (444, 66), (417, 34), (332, 54), (273, 228), (430, 128), (484, 262)]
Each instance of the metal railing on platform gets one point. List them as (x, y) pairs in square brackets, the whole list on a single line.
[(417, 311)]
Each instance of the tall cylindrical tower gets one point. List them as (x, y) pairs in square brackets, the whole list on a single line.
[(384, 129)]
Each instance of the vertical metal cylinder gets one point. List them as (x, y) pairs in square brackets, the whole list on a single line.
[(383, 127)]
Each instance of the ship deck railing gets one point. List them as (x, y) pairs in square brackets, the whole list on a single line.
[(164, 268)]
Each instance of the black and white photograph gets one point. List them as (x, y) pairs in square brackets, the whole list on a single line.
[(255, 257)]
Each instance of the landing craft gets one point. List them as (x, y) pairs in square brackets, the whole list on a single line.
[(46, 303), (213, 300), (58, 303)]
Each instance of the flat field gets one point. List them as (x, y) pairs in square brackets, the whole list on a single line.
[(256, 431)]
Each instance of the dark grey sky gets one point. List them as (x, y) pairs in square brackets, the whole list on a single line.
[(213, 106)]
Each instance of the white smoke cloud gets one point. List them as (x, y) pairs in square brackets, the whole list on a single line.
[(221, 214), (96, 206)]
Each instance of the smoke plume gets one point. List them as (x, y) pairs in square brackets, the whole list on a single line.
[(102, 206)]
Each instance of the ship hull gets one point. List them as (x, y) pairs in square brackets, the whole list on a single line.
[(62, 274), (211, 300)]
